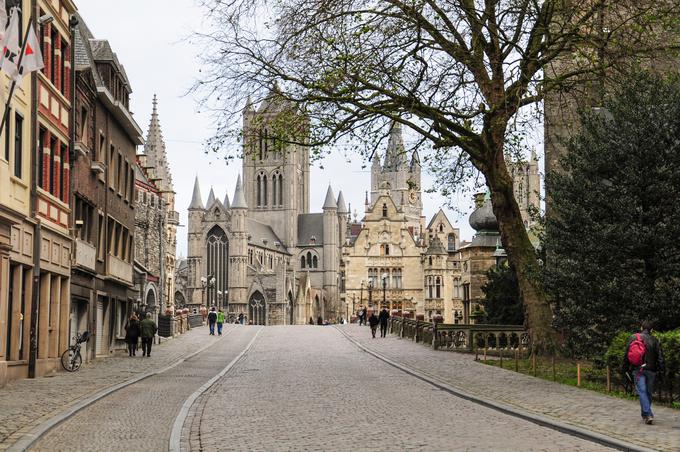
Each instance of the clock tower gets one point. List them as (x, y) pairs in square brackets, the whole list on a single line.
[(399, 176)]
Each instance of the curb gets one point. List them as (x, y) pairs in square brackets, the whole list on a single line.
[(176, 433), (30, 438), (543, 421)]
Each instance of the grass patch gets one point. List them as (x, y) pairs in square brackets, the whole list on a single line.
[(565, 371)]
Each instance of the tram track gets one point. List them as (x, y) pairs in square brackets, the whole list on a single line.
[(542, 421)]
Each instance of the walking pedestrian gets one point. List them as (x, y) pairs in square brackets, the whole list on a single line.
[(383, 317), (373, 322), (212, 319), (132, 335), (220, 321), (147, 329), (240, 319), (364, 314), (360, 314), (644, 359)]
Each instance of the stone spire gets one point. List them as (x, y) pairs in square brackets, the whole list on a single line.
[(154, 149), (196, 202), (396, 152), (226, 202), (239, 198), (330, 200), (211, 198), (342, 207)]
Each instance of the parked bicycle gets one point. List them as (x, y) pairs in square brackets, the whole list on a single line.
[(71, 358)]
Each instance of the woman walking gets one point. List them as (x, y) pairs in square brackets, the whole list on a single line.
[(132, 334)]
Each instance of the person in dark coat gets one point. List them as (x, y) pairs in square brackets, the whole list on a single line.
[(364, 314), (644, 375), (132, 335), (212, 320), (147, 329), (373, 323), (383, 318), (319, 320)]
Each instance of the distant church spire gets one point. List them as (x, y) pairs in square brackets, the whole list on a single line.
[(330, 200), (196, 202), (211, 198), (154, 149), (239, 198), (226, 202)]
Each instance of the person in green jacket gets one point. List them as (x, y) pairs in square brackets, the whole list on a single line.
[(220, 321), (147, 329)]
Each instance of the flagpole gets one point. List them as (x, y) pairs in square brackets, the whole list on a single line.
[(14, 80)]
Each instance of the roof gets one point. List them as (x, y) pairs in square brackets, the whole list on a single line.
[(211, 198), (263, 235), (436, 247), (330, 203), (196, 202), (239, 197), (310, 225)]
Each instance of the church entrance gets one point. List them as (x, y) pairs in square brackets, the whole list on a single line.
[(257, 309)]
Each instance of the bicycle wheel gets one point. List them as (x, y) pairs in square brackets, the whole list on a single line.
[(71, 360)]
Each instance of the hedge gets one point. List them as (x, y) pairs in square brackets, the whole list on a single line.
[(669, 381)]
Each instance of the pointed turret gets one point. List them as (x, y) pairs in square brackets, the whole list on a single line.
[(154, 149), (196, 202), (330, 200), (395, 156), (211, 198), (415, 160), (239, 198), (342, 207), (249, 105), (375, 164), (226, 202)]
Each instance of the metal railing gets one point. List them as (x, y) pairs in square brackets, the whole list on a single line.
[(462, 337)]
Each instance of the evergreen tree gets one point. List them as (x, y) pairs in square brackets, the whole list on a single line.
[(614, 219), (502, 305)]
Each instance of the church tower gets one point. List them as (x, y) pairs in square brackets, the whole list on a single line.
[(238, 285), (195, 246), (275, 172), (331, 252), (399, 178)]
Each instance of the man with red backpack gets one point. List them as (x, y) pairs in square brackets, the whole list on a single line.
[(643, 359)]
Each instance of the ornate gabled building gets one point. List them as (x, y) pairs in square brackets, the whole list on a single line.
[(264, 254)]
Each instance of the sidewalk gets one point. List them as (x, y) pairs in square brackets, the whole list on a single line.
[(610, 416), (24, 404)]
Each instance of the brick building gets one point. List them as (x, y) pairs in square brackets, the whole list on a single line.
[(106, 139)]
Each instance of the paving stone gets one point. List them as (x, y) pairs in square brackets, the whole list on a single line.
[(615, 417), (26, 403), (309, 388)]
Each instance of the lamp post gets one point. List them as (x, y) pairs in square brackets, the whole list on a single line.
[(207, 283), (361, 293), (384, 286), (370, 293), (354, 296)]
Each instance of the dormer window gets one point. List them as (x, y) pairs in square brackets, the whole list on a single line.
[(384, 210)]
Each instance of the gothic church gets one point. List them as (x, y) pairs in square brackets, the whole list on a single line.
[(263, 254)]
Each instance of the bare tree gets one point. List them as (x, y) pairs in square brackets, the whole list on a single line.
[(457, 72)]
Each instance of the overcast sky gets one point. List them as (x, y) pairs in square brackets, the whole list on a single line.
[(149, 38)]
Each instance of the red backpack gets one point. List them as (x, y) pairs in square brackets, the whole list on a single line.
[(636, 351)]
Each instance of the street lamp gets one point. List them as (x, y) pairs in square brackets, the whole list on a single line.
[(207, 283), (361, 293), (384, 286), (370, 293)]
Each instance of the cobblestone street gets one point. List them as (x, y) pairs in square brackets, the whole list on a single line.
[(309, 388)]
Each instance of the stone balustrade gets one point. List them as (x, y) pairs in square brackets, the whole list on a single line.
[(465, 338)]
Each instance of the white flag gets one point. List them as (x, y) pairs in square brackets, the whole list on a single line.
[(32, 60), (10, 46)]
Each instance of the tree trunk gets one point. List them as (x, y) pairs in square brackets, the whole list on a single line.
[(522, 256)]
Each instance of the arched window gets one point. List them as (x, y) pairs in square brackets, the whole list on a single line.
[(452, 242), (438, 287), (265, 195), (266, 143), (275, 189), (302, 262), (430, 260), (261, 153), (429, 287), (441, 227), (384, 210), (280, 190), (217, 250), (315, 262), (309, 259), (259, 190)]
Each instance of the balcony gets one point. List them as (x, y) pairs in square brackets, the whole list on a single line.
[(173, 218), (119, 269), (86, 255)]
